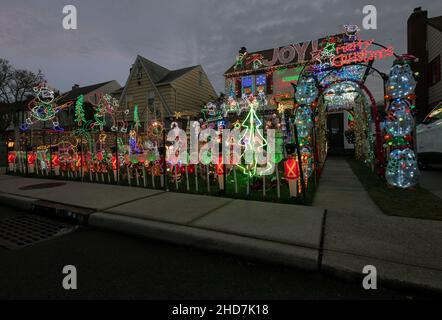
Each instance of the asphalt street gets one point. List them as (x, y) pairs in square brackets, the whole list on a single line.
[(115, 266)]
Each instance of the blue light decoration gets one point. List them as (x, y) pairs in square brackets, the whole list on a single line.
[(306, 90), (306, 93), (261, 80), (247, 84), (401, 123), (402, 170), (401, 82)]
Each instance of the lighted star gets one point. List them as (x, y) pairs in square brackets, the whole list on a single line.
[(281, 108), (177, 115)]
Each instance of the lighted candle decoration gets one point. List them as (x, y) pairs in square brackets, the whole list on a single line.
[(291, 173)]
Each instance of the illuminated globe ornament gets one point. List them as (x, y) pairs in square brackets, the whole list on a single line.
[(401, 82), (402, 169), (306, 91), (401, 122), (303, 121)]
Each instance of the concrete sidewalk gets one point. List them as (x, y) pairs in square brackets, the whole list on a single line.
[(351, 234), (406, 251)]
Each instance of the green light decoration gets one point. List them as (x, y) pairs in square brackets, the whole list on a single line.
[(83, 132), (137, 123), (279, 147), (79, 111), (253, 134)]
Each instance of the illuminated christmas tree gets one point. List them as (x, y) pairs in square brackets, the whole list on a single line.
[(137, 123), (253, 141), (79, 111)]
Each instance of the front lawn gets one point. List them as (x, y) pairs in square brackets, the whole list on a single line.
[(413, 203)]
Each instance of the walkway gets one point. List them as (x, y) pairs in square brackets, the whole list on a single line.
[(340, 190)]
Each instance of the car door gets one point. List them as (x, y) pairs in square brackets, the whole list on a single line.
[(429, 133)]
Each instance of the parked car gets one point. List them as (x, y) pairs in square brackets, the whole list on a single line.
[(429, 139)]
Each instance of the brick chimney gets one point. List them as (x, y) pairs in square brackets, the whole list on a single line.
[(417, 46)]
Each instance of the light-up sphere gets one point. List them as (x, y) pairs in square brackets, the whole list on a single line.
[(306, 91), (401, 81), (402, 169), (403, 122), (303, 121)]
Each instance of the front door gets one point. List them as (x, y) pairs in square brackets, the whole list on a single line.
[(335, 126)]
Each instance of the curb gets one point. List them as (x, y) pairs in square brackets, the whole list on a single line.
[(304, 258), (18, 202), (391, 274), (256, 249), (57, 211)]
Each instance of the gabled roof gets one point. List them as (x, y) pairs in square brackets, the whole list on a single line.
[(74, 93), (156, 72), (161, 75), (175, 74), (436, 22)]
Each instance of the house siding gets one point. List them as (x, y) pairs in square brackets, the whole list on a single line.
[(185, 94), (190, 93), (434, 49)]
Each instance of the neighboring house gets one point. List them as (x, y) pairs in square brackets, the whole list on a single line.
[(90, 93), (425, 42), (159, 92)]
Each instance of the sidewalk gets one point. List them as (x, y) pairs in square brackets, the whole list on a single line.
[(357, 233), (352, 233)]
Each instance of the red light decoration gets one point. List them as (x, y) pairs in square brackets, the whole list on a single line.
[(55, 160), (219, 166), (291, 169), (31, 158), (11, 157)]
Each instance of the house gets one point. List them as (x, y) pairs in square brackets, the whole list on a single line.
[(424, 37), (90, 93), (160, 93)]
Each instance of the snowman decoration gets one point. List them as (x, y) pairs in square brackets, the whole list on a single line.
[(402, 170)]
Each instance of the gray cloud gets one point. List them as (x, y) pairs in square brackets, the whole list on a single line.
[(178, 33)]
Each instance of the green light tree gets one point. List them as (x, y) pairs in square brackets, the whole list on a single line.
[(253, 142), (79, 111), (137, 123)]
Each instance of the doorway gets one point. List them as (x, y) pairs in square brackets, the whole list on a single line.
[(335, 127)]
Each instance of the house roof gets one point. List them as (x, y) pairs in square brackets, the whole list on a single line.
[(175, 74), (161, 75), (436, 22), (156, 72), (74, 93)]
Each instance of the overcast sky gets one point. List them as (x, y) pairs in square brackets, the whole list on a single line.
[(178, 33)]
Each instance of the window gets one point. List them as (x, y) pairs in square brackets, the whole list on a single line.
[(150, 97), (434, 71), (247, 85), (261, 83)]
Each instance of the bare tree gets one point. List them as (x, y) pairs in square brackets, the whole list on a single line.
[(16, 85)]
